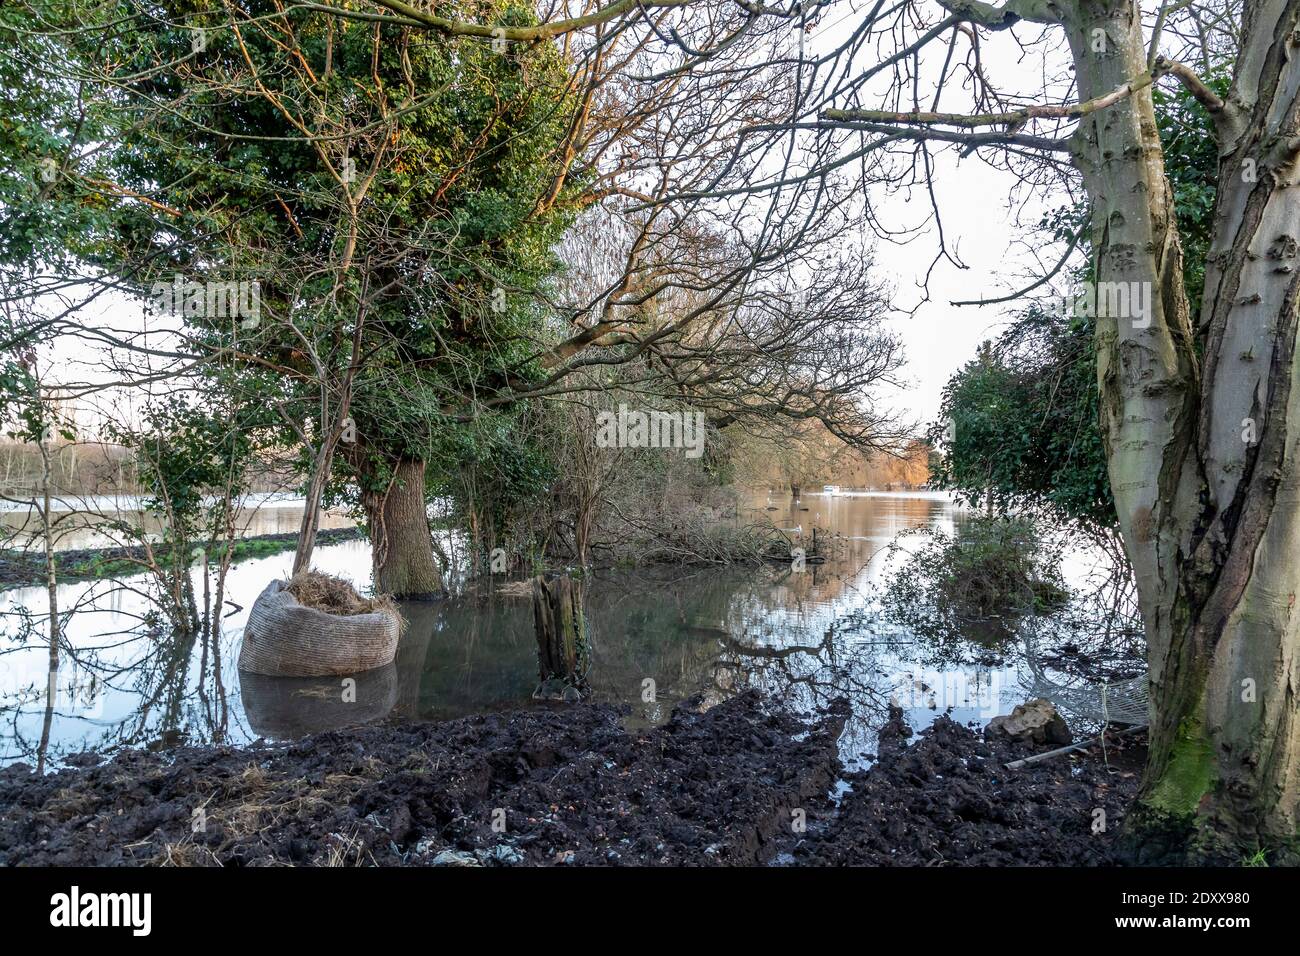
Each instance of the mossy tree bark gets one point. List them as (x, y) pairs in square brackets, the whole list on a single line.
[(1201, 428), (563, 648), (1201, 418)]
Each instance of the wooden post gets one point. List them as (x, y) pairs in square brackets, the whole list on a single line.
[(563, 649)]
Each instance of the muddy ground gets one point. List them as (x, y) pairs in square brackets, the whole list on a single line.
[(946, 798), (571, 786)]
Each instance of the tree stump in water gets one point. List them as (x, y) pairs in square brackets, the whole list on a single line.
[(563, 649)]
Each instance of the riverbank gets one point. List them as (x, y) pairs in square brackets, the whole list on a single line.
[(27, 568), (738, 784)]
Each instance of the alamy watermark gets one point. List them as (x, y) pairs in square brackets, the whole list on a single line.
[(209, 300), (75, 908), (652, 429), (1114, 300), (939, 690)]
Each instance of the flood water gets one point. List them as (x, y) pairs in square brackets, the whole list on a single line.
[(87, 521), (806, 637)]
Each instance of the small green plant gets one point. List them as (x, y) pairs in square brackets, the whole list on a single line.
[(1258, 858), (974, 585)]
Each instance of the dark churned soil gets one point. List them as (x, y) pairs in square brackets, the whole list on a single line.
[(948, 799), (570, 786), (567, 786)]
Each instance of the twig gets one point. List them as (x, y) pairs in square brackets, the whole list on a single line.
[(1036, 758)]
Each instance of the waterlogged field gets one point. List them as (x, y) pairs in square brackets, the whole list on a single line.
[(85, 521), (806, 636)]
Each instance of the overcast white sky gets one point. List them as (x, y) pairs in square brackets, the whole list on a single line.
[(978, 221), (939, 338)]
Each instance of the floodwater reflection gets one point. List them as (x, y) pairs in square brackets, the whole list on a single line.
[(660, 635)]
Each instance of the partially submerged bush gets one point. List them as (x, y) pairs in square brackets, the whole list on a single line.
[(325, 592), (976, 584)]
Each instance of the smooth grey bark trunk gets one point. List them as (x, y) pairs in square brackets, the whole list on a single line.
[(1202, 419), (1202, 450)]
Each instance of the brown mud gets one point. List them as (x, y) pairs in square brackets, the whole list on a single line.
[(571, 786)]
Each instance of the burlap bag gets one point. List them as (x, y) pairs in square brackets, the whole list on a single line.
[(286, 639)]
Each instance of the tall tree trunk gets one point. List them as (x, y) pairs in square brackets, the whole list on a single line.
[(309, 528), (324, 461), (52, 594), (1203, 462), (1146, 366), (1226, 738), (403, 561)]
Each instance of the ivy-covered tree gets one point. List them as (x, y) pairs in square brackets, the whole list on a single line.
[(392, 196)]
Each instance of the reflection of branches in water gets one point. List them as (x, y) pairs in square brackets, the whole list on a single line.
[(1098, 635), (1103, 620), (167, 707), (152, 653), (804, 643), (27, 636), (781, 610), (811, 677), (972, 602), (782, 603), (156, 666), (773, 607), (1078, 647)]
